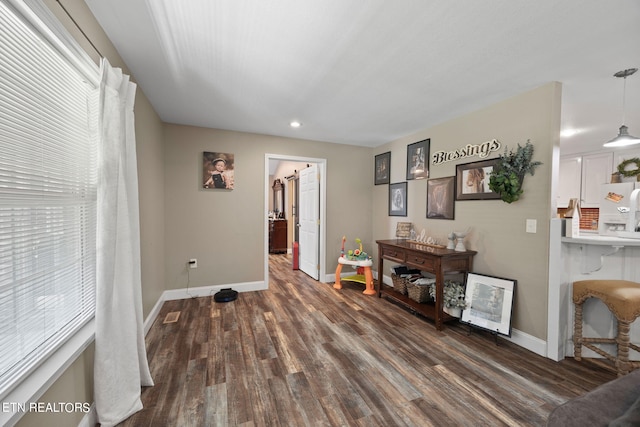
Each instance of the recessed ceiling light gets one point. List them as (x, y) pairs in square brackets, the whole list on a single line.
[(295, 124)]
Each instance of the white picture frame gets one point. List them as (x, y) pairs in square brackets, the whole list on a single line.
[(489, 303)]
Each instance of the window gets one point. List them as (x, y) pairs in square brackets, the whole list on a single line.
[(48, 183)]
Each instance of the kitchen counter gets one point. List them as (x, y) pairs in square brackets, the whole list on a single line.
[(588, 257), (596, 239)]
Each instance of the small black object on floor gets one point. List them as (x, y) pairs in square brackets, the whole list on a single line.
[(225, 295)]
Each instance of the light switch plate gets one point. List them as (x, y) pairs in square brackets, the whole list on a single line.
[(532, 225)]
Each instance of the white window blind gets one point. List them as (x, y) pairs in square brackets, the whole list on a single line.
[(47, 199)]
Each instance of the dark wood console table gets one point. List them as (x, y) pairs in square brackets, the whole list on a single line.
[(438, 261)]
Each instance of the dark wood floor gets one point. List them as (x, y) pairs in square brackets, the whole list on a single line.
[(303, 353)]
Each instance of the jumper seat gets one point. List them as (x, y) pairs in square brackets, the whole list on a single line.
[(367, 278), (622, 297)]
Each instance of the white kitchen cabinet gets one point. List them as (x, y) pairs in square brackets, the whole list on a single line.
[(570, 180), (596, 170)]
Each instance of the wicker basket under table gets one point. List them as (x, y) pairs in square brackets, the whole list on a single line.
[(399, 283), (418, 293)]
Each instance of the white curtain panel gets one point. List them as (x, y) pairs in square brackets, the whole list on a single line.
[(120, 366)]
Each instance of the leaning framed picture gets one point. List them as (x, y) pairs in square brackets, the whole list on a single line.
[(398, 199), (473, 180), (382, 168), (217, 170), (418, 159), (489, 303), (441, 197)]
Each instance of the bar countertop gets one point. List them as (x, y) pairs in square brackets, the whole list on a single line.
[(597, 239)]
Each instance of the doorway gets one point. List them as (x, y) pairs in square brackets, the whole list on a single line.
[(320, 164)]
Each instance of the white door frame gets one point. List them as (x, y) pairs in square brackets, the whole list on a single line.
[(322, 169)]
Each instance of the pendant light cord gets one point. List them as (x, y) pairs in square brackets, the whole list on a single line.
[(624, 100)]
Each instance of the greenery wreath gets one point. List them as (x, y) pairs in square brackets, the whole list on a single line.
[(632, 172)]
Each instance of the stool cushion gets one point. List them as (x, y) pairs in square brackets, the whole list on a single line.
[(622, 297)]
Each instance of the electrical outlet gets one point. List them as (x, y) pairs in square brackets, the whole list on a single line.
[(193, 263), (532, 225)]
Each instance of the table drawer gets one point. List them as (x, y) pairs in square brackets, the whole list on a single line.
[(420, 261), (394, 254)]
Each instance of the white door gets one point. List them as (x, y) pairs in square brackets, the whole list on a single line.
[(309, 204)]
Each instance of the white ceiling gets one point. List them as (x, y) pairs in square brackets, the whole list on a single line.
[(369, 72)]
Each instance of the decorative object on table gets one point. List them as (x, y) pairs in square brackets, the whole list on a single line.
[(472, 180), (616, 178), (622, 169), (217, 170), (508, 175), (460, 235), (441, 198), (623, 139), (418, 160), (452, 241), (489, 303), (453, 297), (403, 230), (382, 168), (398, 199), (412, 234), (573, 213)]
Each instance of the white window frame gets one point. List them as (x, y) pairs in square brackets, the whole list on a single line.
[(34, 385)]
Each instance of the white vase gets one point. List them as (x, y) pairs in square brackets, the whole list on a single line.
[(453, 311), (460, 235)]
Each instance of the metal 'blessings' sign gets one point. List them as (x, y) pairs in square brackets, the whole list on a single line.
[(469, 150)]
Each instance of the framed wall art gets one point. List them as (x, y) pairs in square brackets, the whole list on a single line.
[(489, 303), (418, 159), (382, 168), (441, 197), (398, 199), (473, 180), (217, 170)]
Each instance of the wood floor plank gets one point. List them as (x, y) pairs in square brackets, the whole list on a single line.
[(304, 354)]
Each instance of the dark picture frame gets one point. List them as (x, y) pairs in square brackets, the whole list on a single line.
[(489, 303), (473, 180), (418, 159), (441, 198), (398, 199), (382, 168), (217, 170)]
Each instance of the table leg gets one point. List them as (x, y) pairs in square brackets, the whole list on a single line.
[(380, 270), (338, 284)]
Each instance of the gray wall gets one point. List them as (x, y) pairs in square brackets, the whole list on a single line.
[(498, 229), (224, 229)]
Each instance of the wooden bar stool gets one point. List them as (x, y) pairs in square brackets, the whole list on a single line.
[(622, 297)]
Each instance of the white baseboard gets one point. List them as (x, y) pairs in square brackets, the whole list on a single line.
[(531, 343), (205, 291)]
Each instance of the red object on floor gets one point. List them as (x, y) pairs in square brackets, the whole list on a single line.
[(295, 255)]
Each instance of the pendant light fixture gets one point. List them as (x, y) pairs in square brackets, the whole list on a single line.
[(623, 139)]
